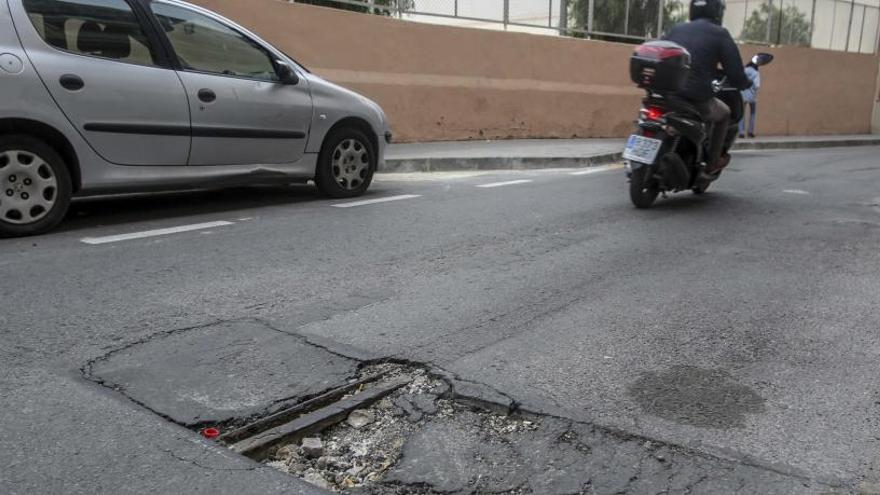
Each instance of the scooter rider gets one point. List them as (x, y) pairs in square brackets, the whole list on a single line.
[(710, 44)]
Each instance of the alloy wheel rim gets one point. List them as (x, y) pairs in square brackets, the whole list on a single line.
[(28, 187), (350, 164)]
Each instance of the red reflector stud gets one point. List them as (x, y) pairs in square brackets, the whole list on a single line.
[(211, 433)]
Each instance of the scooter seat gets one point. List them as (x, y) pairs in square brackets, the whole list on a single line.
[(684, 108)]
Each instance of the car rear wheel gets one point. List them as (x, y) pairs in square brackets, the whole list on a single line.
[(346, 164), (35, 187)]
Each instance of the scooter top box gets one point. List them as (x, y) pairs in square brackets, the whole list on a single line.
[(661, 66)]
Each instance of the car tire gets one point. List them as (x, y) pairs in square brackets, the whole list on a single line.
[(346, 164), (35, 186)]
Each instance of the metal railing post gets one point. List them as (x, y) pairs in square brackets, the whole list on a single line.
[(590, 14), (626, 18), (769, 21), (862, 32), (660, 15), (563, 17), (456, 8), (812, 23), (506, 13), (833, 24), (549, 13), (781, 23), (852, 9)]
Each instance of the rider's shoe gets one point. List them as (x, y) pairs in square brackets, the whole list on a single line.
[(722, 162)]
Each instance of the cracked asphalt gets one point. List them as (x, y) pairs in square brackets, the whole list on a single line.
[(736, 332)]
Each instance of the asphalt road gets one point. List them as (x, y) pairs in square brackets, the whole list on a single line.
[(741, 324)]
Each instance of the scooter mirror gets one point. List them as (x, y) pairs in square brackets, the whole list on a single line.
[(762, 59)]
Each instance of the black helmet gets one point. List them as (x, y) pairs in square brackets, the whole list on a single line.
[(708, 9)]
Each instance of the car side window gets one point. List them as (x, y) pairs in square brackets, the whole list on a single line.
[(96, 28), (205, 45)]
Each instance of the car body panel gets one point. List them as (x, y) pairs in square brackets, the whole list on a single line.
[(117, 179), (334, 104), (247, 119), (280, 114), (26, 86), (130, 114), (27, 98)]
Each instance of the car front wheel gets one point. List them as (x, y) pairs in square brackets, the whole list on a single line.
[(35, 187), (346, 164)]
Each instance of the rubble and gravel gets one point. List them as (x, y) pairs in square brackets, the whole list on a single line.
[(360, 450), (312, 448), (360, 418)]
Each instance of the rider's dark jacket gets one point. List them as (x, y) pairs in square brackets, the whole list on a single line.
[(709, 45)]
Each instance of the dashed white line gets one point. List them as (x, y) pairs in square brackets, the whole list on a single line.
[(375, 201), (425, 176), (154, 233), (507, 183), (795, 191), (595, 170)]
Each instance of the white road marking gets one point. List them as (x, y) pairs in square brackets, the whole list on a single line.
[(425, 176), (375, 201), (507, 183), (795, 191), (154, 233), (596, 170)]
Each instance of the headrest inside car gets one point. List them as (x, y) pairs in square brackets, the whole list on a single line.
[(112, 41)]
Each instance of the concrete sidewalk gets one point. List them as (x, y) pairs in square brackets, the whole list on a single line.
[(552, 153)]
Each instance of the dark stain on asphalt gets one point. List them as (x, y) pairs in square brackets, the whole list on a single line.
[(696, 396)]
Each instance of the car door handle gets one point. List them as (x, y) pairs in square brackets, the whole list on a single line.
[(207, 96), (71, 82)]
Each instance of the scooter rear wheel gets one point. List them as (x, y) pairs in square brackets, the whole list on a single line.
[(643, 188)]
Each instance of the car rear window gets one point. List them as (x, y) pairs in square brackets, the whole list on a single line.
[(98, 28)]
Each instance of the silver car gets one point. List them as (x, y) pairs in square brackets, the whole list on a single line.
[(116, 96)]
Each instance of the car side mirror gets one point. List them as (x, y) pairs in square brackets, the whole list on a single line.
[(286, 74)]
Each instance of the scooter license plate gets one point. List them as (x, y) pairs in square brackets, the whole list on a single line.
[(641, 149)]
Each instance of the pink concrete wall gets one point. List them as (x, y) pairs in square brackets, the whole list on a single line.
[(444, 83)]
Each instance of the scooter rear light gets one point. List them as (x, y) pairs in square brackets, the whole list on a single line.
[(652, 113)]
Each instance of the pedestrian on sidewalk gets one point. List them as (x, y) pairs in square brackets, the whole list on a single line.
[(750, 98)]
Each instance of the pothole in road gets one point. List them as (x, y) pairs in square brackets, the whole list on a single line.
[(362, 448), (406, 411)]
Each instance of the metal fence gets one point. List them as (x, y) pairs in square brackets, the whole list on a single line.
[(843, 25)]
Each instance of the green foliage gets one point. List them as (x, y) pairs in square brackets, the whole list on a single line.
[(610, 16), (787, 26), (390, 6)]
